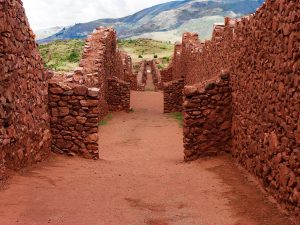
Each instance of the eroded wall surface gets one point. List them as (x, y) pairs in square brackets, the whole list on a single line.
[(261, 53), (24, 120), (80, 100)]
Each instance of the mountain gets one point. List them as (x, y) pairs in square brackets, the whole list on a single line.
[(44, 33), (170, 18)]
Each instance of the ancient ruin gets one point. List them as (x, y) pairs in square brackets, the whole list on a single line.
[(239, 93), (242, 95)]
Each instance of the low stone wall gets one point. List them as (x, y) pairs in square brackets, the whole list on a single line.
[(75, 117), (173, 97), (207, 118), (118, 95)]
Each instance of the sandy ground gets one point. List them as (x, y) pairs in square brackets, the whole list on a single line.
[(149, 83), (140, 179)]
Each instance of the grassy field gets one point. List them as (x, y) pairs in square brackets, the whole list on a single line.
[(141, 49), (65, 55), (62, 55)]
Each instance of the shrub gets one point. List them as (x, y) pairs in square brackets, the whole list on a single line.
[(140, 56), (155, 56)]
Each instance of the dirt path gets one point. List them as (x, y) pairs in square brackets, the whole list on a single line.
[(149, 84), (140, 179)]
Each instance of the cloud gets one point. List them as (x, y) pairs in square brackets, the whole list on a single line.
[(45, 13)]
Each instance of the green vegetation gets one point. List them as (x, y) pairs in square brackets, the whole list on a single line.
[(65, 55), (62, 55), (105, 120), (146, 49), (177, 116), (164, 62)]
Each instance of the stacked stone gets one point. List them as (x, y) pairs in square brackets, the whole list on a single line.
[(133, 82), (75, 117), (266, 99), (24, 121), (167, 74), (118, 95), (173, 97), (156, 75), (207, 118), (261, 52), (142, 77)]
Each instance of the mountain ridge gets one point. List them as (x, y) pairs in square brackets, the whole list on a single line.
[(164, 17)]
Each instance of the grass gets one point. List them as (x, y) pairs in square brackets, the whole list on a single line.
[(141, 49), (177, 116), (62, 55), (105, 120)]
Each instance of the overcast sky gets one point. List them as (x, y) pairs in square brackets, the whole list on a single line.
[(45, 13)]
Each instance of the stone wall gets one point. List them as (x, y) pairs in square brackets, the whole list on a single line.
[(173, 97), (156, 75), (142, 77), (207, 118), (75, 117), (261, 53), (266, 98), (92, 90), (24, 121), (167, 74), (118, 95)]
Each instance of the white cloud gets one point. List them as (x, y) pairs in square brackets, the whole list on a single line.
[(45, 13)]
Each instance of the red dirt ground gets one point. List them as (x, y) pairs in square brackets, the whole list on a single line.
[(140, 179)]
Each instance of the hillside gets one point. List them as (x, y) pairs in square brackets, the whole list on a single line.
[(64, 55), (167, 17)]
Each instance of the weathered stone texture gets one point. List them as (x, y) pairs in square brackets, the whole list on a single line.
[(118, 95), (173, 97), (142, 77), (261, 53), (156, 75), (24, 120), (75, 117), (167, 74), (207, 118)]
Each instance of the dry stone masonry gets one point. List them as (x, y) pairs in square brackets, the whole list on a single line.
[(24, 120), (75, 117), (207, 118), (102, 68), (40, 110), (261, 54), (173, 96)]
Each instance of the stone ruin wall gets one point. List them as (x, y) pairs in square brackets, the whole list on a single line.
[(142, 76), (79, 101), (75, 117), (101, 61), (167, 74), (24, 121), (173, 96), (156, 74), (261, 54), (76, 101), (207, 118)]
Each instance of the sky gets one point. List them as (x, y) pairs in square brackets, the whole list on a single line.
[(44, 13)]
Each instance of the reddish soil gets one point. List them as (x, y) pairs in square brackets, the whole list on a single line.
[(140, 179), (149, 84)]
